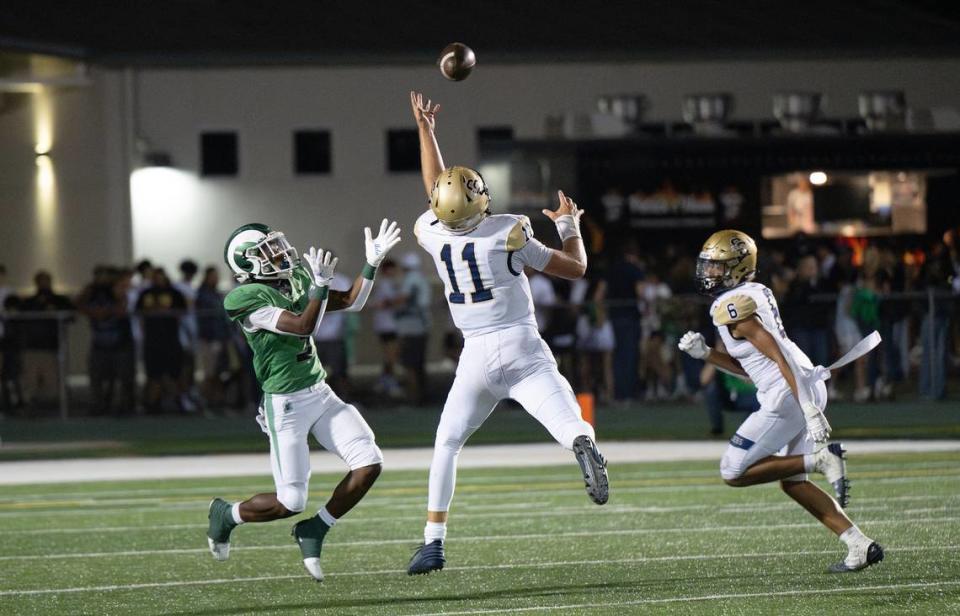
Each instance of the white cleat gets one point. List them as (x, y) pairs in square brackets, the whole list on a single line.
[(313, 568), (831, 461), (860, 556), (220, 551)]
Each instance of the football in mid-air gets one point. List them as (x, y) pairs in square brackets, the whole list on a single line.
[(456, 61)]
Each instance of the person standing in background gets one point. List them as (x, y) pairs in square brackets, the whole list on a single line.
[(10, 396), (937, 275), (213, 332), (865, 310), (413, 323), (5, 292), (385, 326), (160, 308), (41, 341), (188, 335), (800, 217), (624, 287), (809, 319), (544, 298), (111, 341)]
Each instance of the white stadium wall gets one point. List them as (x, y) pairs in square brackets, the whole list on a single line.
[(177, 214)]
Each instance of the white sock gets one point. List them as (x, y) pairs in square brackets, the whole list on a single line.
[(435, 530), (235, 511), (809, 462), (852, 536), (328, 519)]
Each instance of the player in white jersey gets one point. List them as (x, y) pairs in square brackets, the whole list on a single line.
[(480, 258), (780, 441)]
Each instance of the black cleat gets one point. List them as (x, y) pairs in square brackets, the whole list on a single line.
[(428, 557), (594, 469), (873, 556)]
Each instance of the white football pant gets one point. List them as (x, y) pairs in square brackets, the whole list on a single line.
[(511, 363), (338, 427)]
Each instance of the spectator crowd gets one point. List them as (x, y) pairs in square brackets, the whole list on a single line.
[(613, 333)]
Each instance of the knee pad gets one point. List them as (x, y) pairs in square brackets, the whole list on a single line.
[(731, 464), (293, 496)]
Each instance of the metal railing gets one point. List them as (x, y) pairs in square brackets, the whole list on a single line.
[(676, 314)]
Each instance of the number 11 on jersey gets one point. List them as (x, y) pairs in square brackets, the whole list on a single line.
[(480, 293)]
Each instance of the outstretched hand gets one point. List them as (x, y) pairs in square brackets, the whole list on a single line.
[(424, 114), (378, 247), (567, 208), (322, 265)]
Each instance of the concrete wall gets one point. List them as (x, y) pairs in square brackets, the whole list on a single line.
[(68, 210), (359, 104), (177, 214)]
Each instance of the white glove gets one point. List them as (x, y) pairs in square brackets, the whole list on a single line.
[(322, 264), (378, 247), (694, 345), (817, 424)]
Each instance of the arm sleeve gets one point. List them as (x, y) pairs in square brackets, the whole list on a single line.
[(366, 286), (533, 254), (266, 318)]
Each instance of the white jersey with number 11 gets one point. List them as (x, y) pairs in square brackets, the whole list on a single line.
[(482, 270)]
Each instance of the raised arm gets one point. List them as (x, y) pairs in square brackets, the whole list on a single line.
[(431, 162), (322, 265), (571, 261), (376, 249)]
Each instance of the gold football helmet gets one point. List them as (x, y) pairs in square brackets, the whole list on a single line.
[(459, 199), (728, 259)]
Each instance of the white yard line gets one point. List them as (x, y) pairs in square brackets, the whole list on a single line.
[(93, 506), (507, 566), (489, 538), (495, 511), (386, 482), (688, 598), (480, 456)]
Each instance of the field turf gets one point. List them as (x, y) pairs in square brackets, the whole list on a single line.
[(673, 539)]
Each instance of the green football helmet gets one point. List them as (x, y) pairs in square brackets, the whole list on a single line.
[(257, 252)]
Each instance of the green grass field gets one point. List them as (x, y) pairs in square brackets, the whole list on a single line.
[(673, 539)]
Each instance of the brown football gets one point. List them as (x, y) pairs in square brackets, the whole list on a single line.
[(456, 61)]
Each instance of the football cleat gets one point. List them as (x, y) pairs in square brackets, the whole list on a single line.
[(428, 557), (859, 557), (221, 524), (594, 469), (832, 462), (309, 534)]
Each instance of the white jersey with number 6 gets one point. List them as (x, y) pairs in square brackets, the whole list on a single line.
[(743, 302), (482, 270)]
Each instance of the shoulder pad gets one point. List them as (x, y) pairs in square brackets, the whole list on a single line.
[(519, 234), (246, 299), (732, 309)]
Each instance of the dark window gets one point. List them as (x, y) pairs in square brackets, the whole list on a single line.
[(403, 150), (311, 151), (218, 153), (494, 134), (494, 142)]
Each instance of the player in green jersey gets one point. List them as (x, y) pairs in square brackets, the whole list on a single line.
[(278, 305)]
